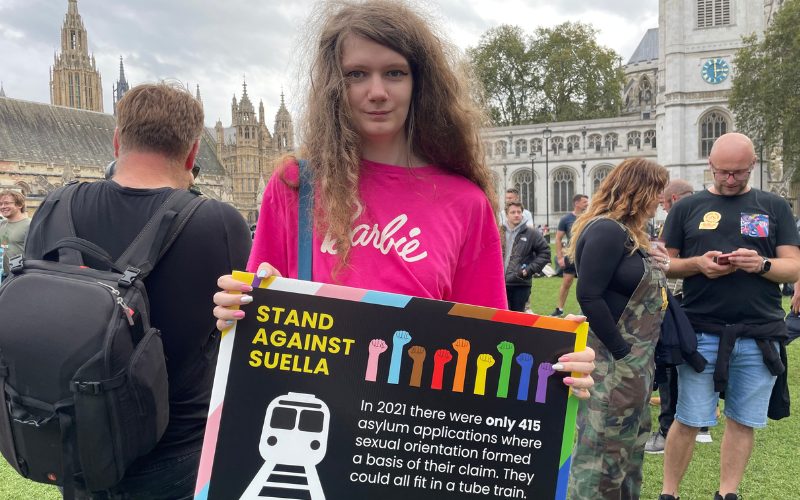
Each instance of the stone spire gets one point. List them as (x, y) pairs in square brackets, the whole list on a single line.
[(120, 87), (75, 80), (2, 92), (284, 129)]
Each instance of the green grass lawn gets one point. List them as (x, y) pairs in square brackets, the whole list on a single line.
[(771, 475)]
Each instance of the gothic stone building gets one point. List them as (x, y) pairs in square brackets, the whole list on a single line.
[(675, 105), (248, 151), (74, 79)]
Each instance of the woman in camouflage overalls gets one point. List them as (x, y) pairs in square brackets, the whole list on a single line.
[(622, 291)]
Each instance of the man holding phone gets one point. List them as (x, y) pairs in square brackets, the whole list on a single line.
[(754, 234)]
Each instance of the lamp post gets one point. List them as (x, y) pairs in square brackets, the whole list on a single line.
[(583, 169), (532, 197), (546, 133)]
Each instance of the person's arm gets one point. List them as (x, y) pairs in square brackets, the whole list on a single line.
[(601, 252), (796, 298), (784, 268), (560, 248)]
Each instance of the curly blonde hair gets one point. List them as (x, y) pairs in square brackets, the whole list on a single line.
[(624, 196), (443, 123)]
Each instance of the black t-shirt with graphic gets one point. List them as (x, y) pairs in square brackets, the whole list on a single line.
[(756, 220)]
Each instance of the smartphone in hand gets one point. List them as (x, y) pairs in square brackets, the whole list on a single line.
[(723, 260)]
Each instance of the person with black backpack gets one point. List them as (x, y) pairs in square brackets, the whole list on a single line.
[(112, 401)]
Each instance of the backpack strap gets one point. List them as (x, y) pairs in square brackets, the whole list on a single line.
[(51, 223), (158, 234), (305, 230)]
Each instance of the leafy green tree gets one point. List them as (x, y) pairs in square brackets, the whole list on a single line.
[(766, 87), (503, 63), (558, 74), (580, 79)]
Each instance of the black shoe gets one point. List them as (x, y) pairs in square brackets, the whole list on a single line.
[(728, 496), (557, 313), (664, 496)]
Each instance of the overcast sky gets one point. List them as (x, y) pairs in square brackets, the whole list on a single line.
[(216, 43)]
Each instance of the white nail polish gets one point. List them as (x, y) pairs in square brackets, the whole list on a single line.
[(262, 273), (246, 299), (558, 366)]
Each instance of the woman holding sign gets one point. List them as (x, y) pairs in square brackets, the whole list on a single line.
[(623, 293), (404, 200)]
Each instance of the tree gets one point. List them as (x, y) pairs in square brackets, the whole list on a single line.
[(503, 63), (558, 74), (580, 79), (766, 87)]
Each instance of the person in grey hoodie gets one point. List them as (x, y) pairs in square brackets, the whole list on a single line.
[(525, 253)]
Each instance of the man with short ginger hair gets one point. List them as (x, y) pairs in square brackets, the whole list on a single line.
[(730, 238), (14, 228)]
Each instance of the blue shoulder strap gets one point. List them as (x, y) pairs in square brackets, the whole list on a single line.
[(305, 230)]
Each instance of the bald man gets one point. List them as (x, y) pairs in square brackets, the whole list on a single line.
[(736, 245)]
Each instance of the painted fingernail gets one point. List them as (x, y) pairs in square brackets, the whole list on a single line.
[(558, 366), (246, 299), (238, 314), (564, 358), (228, 322), (569, 380), (262, 273), (246, 288)]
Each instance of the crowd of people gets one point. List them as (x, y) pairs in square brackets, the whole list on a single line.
[(391, 137)]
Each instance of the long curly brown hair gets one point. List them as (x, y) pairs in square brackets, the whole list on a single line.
[(443, 122), (624, 196)]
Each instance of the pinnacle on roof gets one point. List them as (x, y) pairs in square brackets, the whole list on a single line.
[(2, 92), (122, 72)]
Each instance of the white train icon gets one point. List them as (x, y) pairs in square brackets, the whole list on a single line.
[(294, 440)]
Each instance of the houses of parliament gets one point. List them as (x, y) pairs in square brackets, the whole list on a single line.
[(44, 146)]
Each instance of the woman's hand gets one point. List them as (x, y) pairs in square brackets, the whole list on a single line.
[(233, 294), (581, 362)]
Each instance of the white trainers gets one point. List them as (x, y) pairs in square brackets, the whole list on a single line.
[(704, 437)]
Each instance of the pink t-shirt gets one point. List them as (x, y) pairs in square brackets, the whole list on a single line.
[(423, 232)]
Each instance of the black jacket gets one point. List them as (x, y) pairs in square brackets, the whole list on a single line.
[(529, 249)]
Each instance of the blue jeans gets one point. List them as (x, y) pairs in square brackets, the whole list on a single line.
[(167, 479), (746, 395)]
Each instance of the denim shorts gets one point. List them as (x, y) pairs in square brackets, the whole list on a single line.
[(746, 395)]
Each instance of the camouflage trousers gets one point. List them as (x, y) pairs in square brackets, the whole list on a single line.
[(614, 424)]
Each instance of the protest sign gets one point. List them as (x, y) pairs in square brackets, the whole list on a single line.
[(325, 391)]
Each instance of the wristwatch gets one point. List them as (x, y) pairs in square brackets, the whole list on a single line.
[(766, 265)]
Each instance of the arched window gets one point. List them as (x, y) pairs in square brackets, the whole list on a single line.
[(536, 145), (556, 144), (598, 174), (712, 125), (563, 189), (650, 138), (523, 181), (595, 142), (521, 146), (645, 92), (634, 140), (573, 144), (612, 141)]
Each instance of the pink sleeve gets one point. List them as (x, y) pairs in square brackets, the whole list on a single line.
[(276, 233), (479, 278)]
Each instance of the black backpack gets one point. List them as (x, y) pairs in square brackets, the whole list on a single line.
[(83, 377)]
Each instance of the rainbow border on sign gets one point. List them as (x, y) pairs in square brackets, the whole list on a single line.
[(392, 300)]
